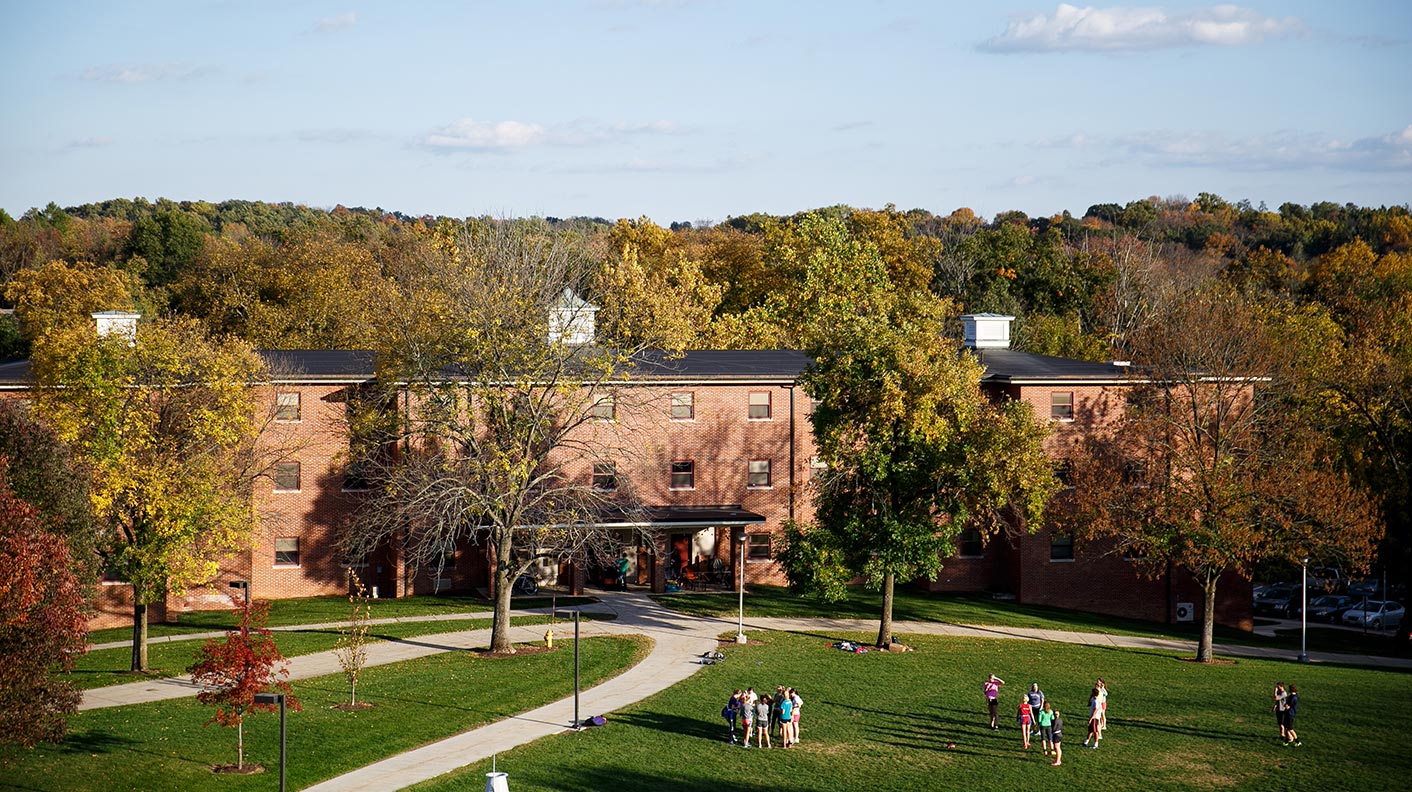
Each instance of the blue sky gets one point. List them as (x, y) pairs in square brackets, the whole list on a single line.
[(702, 109)]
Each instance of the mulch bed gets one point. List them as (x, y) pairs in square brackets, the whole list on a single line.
[(250, 768), (520, 651), (362, 705)]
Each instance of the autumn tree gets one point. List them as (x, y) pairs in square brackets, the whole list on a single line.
[(234, 669), (916, 453), (167, 426), (651, 291), (45, 473), (43, 623), (60, 294), (352, 647), (1208, 467), (505, 409)]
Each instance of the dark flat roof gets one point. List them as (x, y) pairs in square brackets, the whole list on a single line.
[(320, 364), (685, 516), (720, 364), (1012, 365)]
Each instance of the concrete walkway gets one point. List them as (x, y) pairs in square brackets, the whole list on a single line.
[(678, 642)]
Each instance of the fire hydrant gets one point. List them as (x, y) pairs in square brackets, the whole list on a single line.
[(549, 638)]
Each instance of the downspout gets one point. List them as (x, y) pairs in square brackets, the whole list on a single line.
[(791, 452)]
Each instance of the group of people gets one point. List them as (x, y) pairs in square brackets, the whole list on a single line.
[(1286, 705), (763, 715), (1036, 714)]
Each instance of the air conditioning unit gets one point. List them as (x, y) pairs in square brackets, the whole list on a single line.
[(1186, 612)]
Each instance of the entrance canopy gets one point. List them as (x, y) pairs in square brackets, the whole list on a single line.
[(682, 517)]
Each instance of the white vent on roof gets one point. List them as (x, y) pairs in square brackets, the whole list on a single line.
[(986, 330), (571, 319), (123, 323)]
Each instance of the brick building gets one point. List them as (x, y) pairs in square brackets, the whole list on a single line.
[(722, 449)]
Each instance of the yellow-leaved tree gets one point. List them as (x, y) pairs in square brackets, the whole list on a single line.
[(168, 423)]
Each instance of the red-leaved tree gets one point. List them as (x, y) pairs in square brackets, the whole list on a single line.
[(42, 623), (234, 669)]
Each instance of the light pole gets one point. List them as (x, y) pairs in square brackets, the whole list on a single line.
[(276, 698), (739, 536), (245, 585), (1304, 610), (578, 724)]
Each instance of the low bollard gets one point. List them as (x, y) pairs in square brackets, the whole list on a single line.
[(497, 782)]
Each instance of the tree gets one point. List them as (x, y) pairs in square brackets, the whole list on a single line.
[(1209, 467), (916, 453), (352, 647), (43, 623), (45, 474), (59, 294), (233, 670), (502, 423), (168, 426)]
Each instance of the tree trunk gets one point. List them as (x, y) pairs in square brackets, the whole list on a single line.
[(1208, 617), (885, 628), (240, 745), (504, 581), (353, 693), (139, 633)]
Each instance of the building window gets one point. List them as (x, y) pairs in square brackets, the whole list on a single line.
[(817, 468), (760, 406), (759, 473), (757, 547), (356, 476), (286, 406), (286, 552), (683, 475), (1061, 547), (971, 544), (605, 408), (1064, 472), (605, 476), (1061, 406), (683, 406), (286, 476)]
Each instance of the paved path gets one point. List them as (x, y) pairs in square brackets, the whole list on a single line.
[(677, 641)]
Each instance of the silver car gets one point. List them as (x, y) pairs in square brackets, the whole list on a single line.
[(1376, 614)]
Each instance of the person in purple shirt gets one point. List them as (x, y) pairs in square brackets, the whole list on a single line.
[(992, 699)]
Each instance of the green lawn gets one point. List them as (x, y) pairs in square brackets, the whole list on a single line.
[(321, 610), (883, 721), (776, 601), (104, 667), (164, 746)]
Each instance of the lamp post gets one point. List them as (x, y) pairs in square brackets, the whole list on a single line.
[(276, 698), (739, 537), (1304, 610), (578, 724), (245, 585)]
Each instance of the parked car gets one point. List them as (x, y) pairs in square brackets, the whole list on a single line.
[(1376, 614), (1365, 588), (1281, 599), (1329, 607), (1326, 580)]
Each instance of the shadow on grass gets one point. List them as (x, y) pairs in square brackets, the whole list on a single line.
[(593, 779), (94, 742), (676, 724)]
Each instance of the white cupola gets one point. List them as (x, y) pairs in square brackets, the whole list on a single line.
[(571, 319), (121, 323), (986, 330)]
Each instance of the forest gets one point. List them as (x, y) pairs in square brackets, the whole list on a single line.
[(1332, 282)]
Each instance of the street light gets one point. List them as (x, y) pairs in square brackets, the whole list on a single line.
[(275, 698), (738, 536), (243, 584), (1304, 610)]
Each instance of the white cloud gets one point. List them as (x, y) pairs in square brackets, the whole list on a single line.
[(86, 143), (337, 22), (1278, 151), (134, 73), (1091, 29), (471, 135)]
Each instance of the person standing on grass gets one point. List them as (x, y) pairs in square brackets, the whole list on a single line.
[(762, 722), (992, 699), (747, 713), (731, 712), (1025, 717), (1291, 707), (798, 702), (1045, 718), (1092, 720), (1036, 698), (786, 719), (1102, 707), (1281, 699), (1056, 736)]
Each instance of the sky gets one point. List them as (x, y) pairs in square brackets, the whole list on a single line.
[(698, 110)]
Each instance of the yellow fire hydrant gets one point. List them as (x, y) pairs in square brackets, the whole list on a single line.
[(549, 638)]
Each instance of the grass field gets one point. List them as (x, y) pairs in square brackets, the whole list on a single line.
[(883, 721), (321, 610), (104, 667), (775, 601), (164, 746)]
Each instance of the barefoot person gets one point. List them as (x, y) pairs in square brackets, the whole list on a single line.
[(1056, 737), (992, 699), (1025, 717)]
